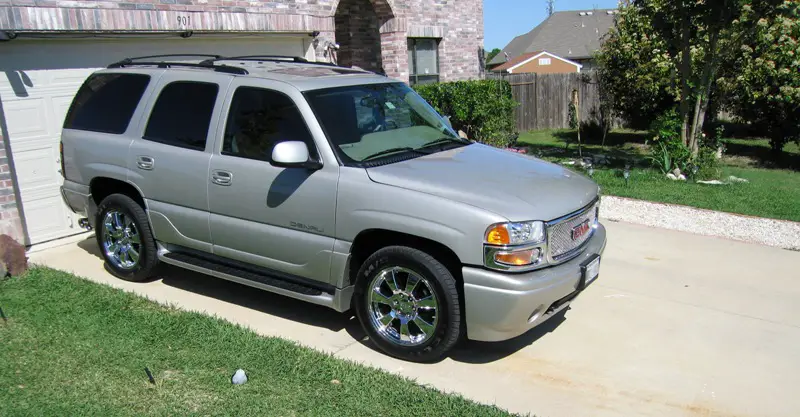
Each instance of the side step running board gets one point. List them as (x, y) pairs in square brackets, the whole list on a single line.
[(333, 298)]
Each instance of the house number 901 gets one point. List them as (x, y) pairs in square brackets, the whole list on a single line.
[(183, 20)]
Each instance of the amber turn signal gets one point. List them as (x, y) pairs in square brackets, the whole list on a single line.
[(498, 235), (517, 258)]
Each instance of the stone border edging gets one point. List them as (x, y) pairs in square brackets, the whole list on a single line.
[(778, 233)]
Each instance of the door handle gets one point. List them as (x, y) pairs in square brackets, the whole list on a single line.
[(145, 162), (221, 177)]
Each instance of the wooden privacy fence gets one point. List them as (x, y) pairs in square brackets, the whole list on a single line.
[(544, 98)]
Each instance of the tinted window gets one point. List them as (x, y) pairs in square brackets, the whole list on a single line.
[(182, 114), (259, 119), (106, 102)]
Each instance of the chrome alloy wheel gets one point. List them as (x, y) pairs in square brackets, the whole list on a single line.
[(403, 307), (121, 241)]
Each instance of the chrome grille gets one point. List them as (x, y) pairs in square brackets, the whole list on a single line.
[(559, 234)]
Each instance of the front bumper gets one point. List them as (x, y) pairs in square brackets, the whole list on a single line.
[(500, 306)]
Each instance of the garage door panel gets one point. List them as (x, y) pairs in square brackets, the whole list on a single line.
[(37, 168), (26, 119), (60, 105), (46, 218), (58, 78)]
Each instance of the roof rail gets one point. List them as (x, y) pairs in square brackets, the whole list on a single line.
[(131, 59), (265, 58), (162, 64), (271, 58)]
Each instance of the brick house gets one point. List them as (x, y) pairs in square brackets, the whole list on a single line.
[(48, 47)]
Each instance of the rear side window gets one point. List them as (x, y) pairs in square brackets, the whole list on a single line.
[(106, 102), (182, 114), (259, 119)]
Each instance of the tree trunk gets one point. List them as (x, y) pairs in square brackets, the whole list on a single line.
[(704, 93), (686, 71)]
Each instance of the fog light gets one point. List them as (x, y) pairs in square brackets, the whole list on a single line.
[(519, 257)]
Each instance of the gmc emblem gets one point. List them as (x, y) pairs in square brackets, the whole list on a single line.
[(580, 230)]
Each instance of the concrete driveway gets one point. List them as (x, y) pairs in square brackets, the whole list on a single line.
[(677, 324)]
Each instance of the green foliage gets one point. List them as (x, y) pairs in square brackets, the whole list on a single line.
[(635, 70), (483, 109), (572, 116), (762, 79), (708, 166), (667, 152), (491, 54)]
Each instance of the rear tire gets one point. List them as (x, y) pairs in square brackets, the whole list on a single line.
[(408, 304), (125, 239)]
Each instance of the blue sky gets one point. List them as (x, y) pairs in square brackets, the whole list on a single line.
[(505, 19)]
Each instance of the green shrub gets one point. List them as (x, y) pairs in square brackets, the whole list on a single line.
[(483, 109), (667, 152), (708, 166)]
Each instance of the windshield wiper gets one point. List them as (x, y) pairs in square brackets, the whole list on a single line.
[(443, 140), (393, 150)]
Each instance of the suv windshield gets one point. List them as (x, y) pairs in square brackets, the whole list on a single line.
[(367, 123)]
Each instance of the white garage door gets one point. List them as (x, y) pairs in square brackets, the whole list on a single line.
[(39, 80)]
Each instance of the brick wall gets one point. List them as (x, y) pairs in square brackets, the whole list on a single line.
[(10, 222), (358, 35), (458, 23)]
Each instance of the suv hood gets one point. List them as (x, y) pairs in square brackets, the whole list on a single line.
[(515, 186)]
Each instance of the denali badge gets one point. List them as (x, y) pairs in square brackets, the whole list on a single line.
[(580, 230)]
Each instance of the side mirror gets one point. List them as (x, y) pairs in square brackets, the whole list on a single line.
[(447, 121), (292, 154)]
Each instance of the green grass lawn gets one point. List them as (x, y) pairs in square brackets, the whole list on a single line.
[(772, 192), (72, 347)]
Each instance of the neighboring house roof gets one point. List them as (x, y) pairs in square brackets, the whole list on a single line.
[(573, 34), (528, 57)]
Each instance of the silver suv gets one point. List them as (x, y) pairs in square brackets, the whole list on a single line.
[(332, 185)]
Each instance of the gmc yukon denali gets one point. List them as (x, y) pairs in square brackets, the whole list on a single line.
[(332, 185)]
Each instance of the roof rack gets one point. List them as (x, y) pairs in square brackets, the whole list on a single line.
[(208, 63), (285, 58), (271, 58)]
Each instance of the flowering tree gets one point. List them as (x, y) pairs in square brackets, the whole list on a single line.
[(670, 51), (635, 69), (761, 81)]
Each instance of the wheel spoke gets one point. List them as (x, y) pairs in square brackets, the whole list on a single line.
[(118, 220), (427, 303), (135, 239), (377, 297), (391, 281), (423, 325), (405, 334), (386, 320), (133, 254), (411, 282)]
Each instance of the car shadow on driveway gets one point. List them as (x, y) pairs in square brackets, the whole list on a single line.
[(244, 296), (485, 352), (313, 315)]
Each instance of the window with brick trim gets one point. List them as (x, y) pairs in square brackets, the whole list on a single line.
[(544, 61), (423, 60)]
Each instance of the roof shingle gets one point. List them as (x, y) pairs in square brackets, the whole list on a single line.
[(567, 34)]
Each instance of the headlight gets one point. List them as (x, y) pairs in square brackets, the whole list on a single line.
[(516, 233)]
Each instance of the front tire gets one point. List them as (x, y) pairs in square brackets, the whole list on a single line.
[(125, 239), (408, 304)]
